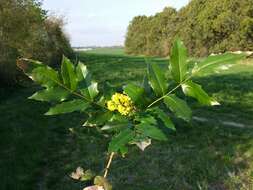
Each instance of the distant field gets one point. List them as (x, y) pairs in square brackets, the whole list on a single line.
[(108, 51), (38, 152)]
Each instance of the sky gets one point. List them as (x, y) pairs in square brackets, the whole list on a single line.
[(103, 22)]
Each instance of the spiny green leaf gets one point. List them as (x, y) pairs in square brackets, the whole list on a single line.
[(68, 74), (91, 92), (152, 132), (115, 125), (178, 61), (40, 73), (56, 94), (45, 76), (194, 90), (81, 71), (146, 85), (157, 79), (164, 117), (98, 119), (136, 93), (123, 150), (148, 127), (213, 62), (121, 140), (146, 119), (178, 106), (68, 107), (87, 87), (83, 76)]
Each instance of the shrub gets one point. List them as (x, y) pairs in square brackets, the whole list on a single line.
[(137, 115), (7, 66), (26, 31)]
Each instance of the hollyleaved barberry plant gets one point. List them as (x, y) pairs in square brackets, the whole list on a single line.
[(134, 116)]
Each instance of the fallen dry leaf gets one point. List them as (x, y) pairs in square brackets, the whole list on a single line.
[(77, 174), (144, 144)]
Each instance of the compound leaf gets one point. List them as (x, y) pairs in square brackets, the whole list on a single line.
[(56, 94), (178, 106), (194, 90), (121, 140), (148, 127), (68, 107), (157, 79), (178, 61), (68, 74)]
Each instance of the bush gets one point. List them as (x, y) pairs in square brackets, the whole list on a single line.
[(58, 42), (137, 114), (27, 31), (7, 66)]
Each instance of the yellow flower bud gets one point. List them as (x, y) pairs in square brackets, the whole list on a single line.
[(116, 98), (122, 103), (111, 105)]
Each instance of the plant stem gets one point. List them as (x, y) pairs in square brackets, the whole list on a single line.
[(80, 96), (159, 99), (108, 164), (76, 93)]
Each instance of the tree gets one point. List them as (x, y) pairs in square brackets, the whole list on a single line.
[(162, 32), (206, 26), (136, 38)]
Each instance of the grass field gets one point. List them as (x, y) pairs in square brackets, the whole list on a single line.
[(38, 152), (107, 51)]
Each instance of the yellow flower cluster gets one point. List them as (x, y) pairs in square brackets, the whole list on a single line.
[(122, 103)]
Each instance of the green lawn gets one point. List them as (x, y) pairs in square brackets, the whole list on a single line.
[(107, 51), (38, 152)]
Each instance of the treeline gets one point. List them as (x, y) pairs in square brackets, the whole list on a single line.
[(205, 26), (26, 30)]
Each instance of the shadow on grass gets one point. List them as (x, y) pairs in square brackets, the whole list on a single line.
[(38, 152), (234, 92), (202, 157)]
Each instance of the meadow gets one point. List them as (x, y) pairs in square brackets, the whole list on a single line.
[(107, 51), (213, 152)]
